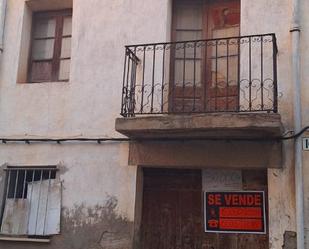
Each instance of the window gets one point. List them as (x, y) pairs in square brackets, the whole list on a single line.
[(205, 74), (31, 202), (51, 46)]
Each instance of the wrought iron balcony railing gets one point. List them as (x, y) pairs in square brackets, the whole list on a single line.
[(234, 74)]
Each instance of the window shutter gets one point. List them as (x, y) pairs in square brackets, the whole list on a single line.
[(45, 208), (15, 217)]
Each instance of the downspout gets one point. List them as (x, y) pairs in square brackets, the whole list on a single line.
[(299, 185), (3, 4)]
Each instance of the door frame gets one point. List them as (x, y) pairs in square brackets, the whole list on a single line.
[(252, 179), (206, 77)]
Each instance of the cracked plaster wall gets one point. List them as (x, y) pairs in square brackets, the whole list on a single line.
[(89, 104)]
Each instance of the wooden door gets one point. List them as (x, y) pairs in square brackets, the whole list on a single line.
[(204, 75), (172, 207), (173, 216)]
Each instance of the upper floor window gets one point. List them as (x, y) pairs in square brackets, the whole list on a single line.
[(51, 46)]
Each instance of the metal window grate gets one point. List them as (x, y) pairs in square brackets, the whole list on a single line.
[(18, 180), (31, 203)]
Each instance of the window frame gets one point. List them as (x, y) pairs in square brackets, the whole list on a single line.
[(59, 16), (15, 181)]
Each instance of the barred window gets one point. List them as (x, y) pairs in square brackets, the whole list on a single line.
[(32, 201)]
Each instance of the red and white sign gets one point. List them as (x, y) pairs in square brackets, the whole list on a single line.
[(235, 212)]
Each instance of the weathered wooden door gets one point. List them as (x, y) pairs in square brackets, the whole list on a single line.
[(172, 207), (204, 75), (172, 216)]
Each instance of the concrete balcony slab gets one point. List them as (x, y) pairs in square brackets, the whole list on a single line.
[(219, 125)]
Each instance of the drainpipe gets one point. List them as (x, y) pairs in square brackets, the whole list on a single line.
[(2, 20), (299, 186)]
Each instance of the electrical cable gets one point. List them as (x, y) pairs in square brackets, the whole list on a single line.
[(99, 140), (298, 134)]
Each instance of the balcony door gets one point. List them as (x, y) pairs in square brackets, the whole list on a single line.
[(204, 74)]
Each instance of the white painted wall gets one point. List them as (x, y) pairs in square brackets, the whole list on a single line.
[(90, 172), (90, 102), (274, 17), (87, 105)]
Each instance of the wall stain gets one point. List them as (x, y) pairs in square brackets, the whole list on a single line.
[(289, 239), (82, 227)]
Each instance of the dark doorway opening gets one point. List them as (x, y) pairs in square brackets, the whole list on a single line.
[(172, 212)]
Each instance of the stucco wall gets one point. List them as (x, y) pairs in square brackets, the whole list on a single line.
[(98, 191), (96, 178), (90, 102), (274, 17)]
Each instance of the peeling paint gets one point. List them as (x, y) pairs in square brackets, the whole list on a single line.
[(62, 168), (83, 227), (289, 240)]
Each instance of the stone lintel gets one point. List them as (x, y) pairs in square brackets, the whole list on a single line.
[(207, 154)]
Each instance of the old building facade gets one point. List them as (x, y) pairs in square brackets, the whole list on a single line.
[(124, 146)]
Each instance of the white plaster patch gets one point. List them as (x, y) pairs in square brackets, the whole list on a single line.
[(217, 180)]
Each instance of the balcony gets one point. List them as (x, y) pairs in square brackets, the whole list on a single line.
[(225, 87)]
